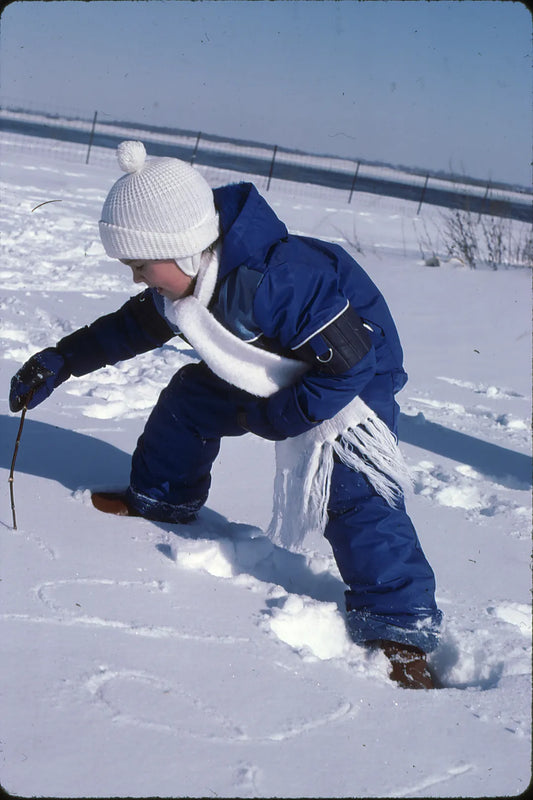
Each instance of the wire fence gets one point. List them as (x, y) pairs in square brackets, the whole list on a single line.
[(95, 139)]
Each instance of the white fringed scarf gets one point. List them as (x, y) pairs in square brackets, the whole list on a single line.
[(304, 463)]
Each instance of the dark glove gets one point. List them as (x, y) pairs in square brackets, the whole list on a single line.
[(37, 378)]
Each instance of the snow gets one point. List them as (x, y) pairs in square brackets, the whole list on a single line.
[(142, 659)]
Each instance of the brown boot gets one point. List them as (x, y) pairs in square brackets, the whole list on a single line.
[(120, 504), (409, 666), (112, 503)]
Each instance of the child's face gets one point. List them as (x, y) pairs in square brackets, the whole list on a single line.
[(165, 276)]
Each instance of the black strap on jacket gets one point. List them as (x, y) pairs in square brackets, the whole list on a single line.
[(339, 346)]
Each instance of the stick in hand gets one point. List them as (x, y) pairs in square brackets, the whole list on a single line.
[(12, 471)]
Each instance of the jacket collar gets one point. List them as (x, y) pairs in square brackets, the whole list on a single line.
[(249, 226)]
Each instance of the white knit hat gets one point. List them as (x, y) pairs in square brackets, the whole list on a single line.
[(162, 209)]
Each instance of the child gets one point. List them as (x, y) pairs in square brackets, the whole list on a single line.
[(297, 346)]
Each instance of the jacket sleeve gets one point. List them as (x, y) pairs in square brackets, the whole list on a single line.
[(298, 307), (135, 328)]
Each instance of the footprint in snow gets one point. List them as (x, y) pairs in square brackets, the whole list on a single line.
[(464, 488), (481, 414), (517, 614)]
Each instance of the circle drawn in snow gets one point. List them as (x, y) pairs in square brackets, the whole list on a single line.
[(80, 602), (174, 707), (80, 592)]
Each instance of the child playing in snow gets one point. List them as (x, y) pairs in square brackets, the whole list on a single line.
[(297, 346)]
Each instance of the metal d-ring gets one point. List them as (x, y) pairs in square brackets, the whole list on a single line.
[(325, 359)]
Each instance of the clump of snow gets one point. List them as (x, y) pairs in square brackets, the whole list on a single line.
[(307, 625), (466, 497), (214, 557)]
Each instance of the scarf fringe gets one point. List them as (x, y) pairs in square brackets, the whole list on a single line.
[(301, 491), (303, 476), (371, 448)]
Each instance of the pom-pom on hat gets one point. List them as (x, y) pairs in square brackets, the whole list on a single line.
[(162, 208)]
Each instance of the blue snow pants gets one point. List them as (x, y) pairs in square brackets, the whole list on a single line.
[(391, 586)]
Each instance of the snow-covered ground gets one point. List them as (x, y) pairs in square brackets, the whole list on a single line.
[(140, 659)]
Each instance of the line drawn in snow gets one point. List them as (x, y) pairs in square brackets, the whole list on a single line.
[(72, 615), (142, 699), (152, 632), (43, 590), (481, 388), (30, 537), (450, 774)]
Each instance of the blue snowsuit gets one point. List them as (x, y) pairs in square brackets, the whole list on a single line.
[(280, 292)]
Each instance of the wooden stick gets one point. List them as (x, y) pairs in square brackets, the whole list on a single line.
[(12, 471)]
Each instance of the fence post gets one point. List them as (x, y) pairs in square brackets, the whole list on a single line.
[(354, 180), (91, 137), (483, 202), (422, 195), (196, 147), (272, 166)]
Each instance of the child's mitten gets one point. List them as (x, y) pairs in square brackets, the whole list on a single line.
[(37, 378)]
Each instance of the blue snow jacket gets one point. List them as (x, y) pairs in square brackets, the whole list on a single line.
[(275, 290)]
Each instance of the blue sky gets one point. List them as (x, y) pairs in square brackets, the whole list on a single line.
[(438, 85)]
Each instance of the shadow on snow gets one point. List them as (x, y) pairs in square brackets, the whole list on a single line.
[(506, 467), (79, 460)]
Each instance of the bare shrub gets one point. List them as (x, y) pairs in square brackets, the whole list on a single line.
[(428, 248), (480, 239), (460, 237), (494, 229), (523, 248)]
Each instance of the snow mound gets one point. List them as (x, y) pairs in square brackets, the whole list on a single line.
[(316, 630)]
